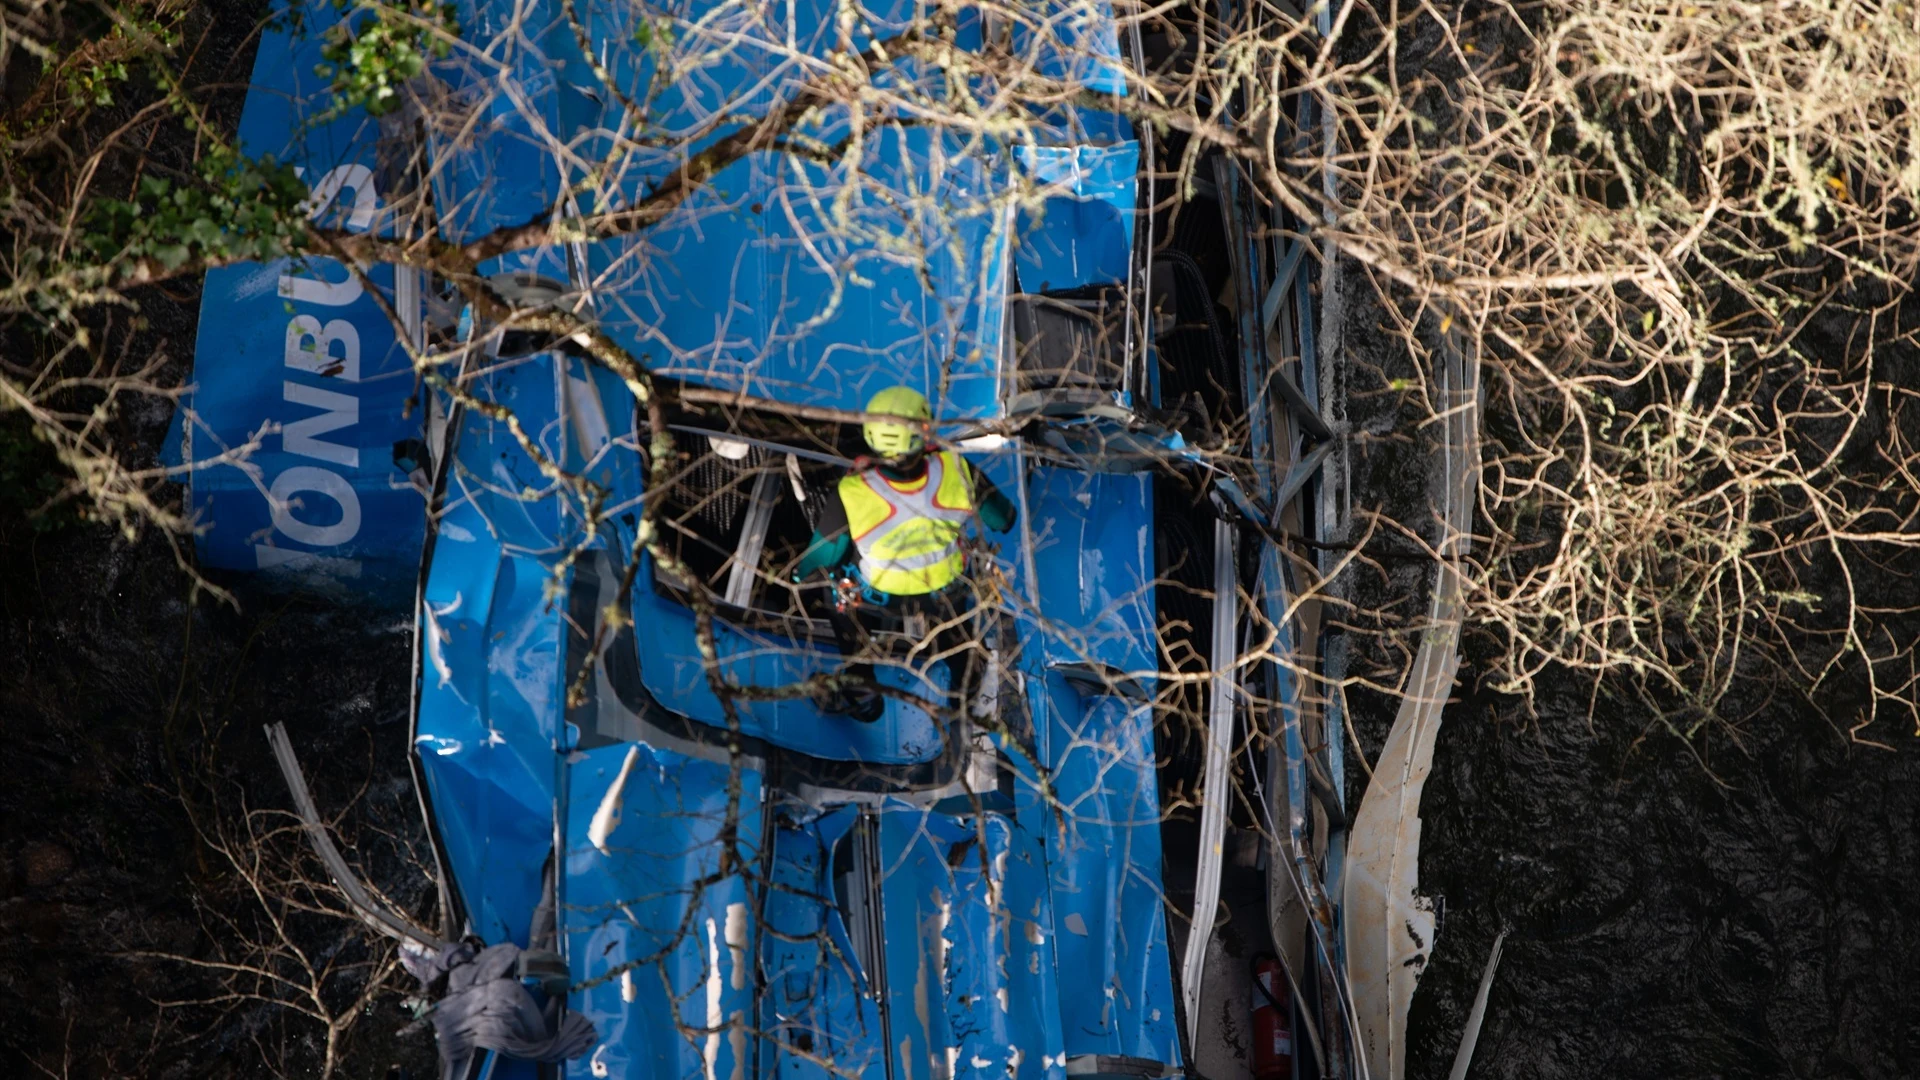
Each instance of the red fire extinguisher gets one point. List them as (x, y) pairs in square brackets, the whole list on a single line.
[(1272, 1020)]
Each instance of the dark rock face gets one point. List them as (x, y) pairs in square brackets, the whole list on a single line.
[(1746, 916), (43, 864)]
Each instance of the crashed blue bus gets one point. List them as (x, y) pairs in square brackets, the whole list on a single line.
[(661, 850)]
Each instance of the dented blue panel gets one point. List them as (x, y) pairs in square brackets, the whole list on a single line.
[(1077, 43), (488, 704), (971, 987), (791, 280), (492, 686), (918, 902), (655, 913), (300, 353), (1082, 233), (1003, 981), (674, 672), (496, 161), (684, 298), (1109, 925), (819, 1004), (1092, 538), (750, 286), (903, 282), (1089, 687)]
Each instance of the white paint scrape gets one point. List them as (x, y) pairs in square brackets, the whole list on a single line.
[(607, 817)]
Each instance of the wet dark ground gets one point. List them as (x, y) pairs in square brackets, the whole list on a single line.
[(126, 734), (130, 729), (1757, 923), (1745, 904)]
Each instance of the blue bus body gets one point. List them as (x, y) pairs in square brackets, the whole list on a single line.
[(790, 891), (740, 884), (976, 900)]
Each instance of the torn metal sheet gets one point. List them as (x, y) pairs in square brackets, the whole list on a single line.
[(1083, 233), (1099, 814), (1389, 927), (822, 1006), (490, 707), (1215, 789), (1470, 1035), (375, 913), (668, 903)]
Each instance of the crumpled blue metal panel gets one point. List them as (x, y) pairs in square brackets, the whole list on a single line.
[(1081, 46), (303, 346), (1089, 684), (919, 901), (658, 937), (1083, 232), (674, 673), (667, 296), (746, 286), (630, 39), (966, 942), (685, 297), (971, 985), (1004, 993), (835, 340), (492, 683), (600, 442), (485, 741), (1093, 557), (1110, 927), (502, 169), (519, 506), (819, 1005)]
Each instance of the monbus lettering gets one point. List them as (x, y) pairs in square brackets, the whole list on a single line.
[(366, 201), (304, 479), (300, 495), (319, 357), (301, 436)]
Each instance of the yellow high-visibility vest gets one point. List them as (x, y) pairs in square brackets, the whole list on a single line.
[(909, 534)]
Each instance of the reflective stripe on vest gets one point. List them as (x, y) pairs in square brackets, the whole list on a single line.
[(909, 541)]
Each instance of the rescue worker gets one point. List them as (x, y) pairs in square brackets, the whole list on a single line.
[(902, 513)]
